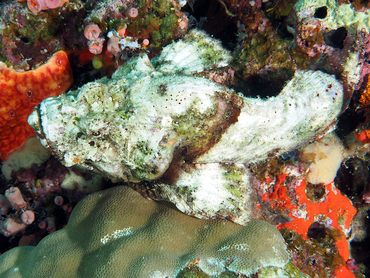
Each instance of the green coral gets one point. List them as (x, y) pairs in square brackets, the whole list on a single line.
[(157, 21), (24, 33), (265, 50)]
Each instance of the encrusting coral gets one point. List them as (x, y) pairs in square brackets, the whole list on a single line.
[(338, 31), (158, 21), (32, 152), (22, 91), (118, 233)]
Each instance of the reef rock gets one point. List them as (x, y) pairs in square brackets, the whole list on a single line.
[(340, 31), (160, 120)]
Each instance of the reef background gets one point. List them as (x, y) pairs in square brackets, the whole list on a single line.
[(268, 41)]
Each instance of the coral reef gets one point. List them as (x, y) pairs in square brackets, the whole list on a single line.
[(311, 217), (160, 22), (280, 36), (126, 235), (29, 34), (22, 91), (42, 194), (339, 34), (218, 133), (23, 217), (28, 39), (32, 152)]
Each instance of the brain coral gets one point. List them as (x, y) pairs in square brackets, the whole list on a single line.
[(118, 233)]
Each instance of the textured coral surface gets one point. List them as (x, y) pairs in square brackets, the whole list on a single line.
[(118, 233)]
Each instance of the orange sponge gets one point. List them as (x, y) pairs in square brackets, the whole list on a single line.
[(20, 92), (336, 208)]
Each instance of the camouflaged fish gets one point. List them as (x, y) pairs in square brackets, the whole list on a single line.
[(160, 120)]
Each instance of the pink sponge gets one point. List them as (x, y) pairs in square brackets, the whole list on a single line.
[(37, 6)]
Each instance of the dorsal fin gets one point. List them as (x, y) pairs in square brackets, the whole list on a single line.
[(138, 66), (195, 52)]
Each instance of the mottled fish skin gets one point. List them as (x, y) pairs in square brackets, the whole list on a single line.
[(130, 127), (132, 135), (309, 103)]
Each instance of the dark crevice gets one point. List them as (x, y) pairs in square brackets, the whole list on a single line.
[(212, 17), (335, 38), (321, 12), (263, 85)]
